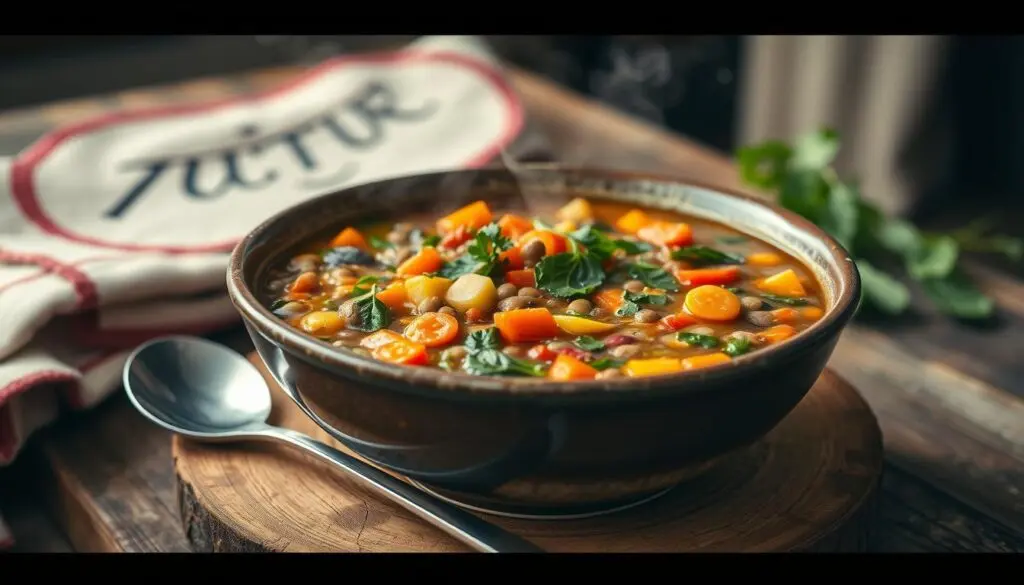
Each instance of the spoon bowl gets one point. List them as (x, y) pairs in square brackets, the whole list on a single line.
[(205, 391)]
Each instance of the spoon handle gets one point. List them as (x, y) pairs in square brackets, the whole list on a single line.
[(470, 529)]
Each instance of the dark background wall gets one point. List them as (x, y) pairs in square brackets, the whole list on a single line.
[(685, 83)]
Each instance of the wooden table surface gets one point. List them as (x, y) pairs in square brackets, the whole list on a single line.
[(949, 397)]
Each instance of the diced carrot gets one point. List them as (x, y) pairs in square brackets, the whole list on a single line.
[(379, 338), (702, 276), (433, 329), (812, 313), (394, 296), (305, 282), (609, 299), (297, 296), (777, 333), (402, 352), (578, 210), (764, 259), (568, 368), (553, 243), (785, 315), (521, 278), (473, 217), (474, 314), (664, 233), (632, 221), (514, 226), (350, 237), (713, 303), (425, 261), (521, 325), (785, 283), (704, 361), (541, 353), (652, 367), (675, 322), (513, 257), (455, 238)]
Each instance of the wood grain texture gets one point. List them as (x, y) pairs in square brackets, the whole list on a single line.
[(809, 485), (943, 392)]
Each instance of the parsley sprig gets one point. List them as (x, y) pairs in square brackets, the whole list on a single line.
[(482, 254)]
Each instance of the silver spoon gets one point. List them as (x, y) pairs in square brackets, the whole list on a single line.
[(205, 391)]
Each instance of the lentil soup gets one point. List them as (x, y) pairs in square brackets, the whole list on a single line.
[(591, 289)]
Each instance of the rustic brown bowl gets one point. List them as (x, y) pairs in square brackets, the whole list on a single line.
[(530, 444)]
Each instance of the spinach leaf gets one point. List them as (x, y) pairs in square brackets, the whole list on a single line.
[(335, 257), (737, 346), (359, 290), (570, 274), (482, 339), (632, 248), (935, 258), (653, 276), (380, 243), (373, 314), (783, 300), (698, 340), (420, 240), (277, 304), (588, 343), (607, 362), (595, 242), (494, 362), (704, 256), (631, 302), (481, 255)]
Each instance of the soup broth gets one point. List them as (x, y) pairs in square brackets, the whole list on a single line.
[(591, 289)]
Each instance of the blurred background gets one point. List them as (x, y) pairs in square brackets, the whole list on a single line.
[(927, 122)]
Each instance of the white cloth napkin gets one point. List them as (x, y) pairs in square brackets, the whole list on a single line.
[(117, 229)]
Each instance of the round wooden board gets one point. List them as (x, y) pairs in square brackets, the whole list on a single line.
[(809, 485)]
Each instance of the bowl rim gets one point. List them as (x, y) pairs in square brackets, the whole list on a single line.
[(435, 382)]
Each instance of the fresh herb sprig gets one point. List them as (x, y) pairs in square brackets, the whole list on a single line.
[(631, 302), (575, 273), (482, 254), (485, 358), (705, 256), (804, 181), (373, 313)]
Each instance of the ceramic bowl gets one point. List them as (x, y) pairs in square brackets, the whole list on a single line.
[(531, 446)]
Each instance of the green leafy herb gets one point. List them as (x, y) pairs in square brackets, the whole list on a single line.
[(632, 248), (420, 240), (737, 346), (482, 339), (380, 243), (631, 302), (704, 256), (431, 240), (485, 359), (373, 314), (588, 343), (653, 276), (595, 242), (803, 179), (697, 339), (606, 363), (481, 255), (735, 290), (359, 289), (278, 304), (571, 274), (784, 300)]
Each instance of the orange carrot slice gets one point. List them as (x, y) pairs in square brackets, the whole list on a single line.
[(713, 303), (521, 325), (568, 368)]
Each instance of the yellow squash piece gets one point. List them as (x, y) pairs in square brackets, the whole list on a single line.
[(472, 291), (652, 367), (785, 284), (422, 287), (582, 326), (578, 210)]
